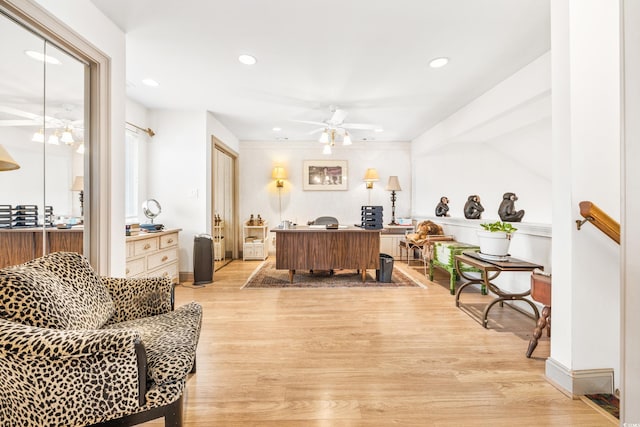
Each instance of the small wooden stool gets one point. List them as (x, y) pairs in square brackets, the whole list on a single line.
[(541, 292)]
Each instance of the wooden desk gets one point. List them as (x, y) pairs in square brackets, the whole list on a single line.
[(488, 272), (304, 248), (19, 245)]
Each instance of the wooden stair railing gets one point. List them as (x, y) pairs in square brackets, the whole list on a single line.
[(601, 220)]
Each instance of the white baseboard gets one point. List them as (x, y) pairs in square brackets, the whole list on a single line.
[(576, 383)]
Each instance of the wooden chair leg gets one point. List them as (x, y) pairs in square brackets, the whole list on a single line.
[(537, 332)]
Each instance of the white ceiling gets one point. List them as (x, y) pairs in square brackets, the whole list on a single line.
[(368, 57)]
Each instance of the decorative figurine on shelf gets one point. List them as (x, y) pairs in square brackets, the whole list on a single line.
[(259, 221), (443, 207), (472, 208), (251, 221), (507, 209)]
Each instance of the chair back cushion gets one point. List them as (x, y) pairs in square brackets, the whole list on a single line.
[(60, 290)]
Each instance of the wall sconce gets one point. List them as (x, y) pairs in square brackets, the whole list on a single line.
[(78, 185), (279, 174), (393, 185), (6, 161), (371, 176)]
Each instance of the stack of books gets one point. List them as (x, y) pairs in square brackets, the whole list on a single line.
[(132, 229)]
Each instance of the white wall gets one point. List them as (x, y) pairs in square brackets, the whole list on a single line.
[(177, 175), (86, 20), (258, 193), (500, 142)]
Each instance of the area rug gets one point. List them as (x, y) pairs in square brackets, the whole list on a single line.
[(266, 276), (608, 404)]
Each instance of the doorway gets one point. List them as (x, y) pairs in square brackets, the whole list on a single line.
[(224, 221)]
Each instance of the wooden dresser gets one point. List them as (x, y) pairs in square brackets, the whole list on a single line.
[(153, 254)]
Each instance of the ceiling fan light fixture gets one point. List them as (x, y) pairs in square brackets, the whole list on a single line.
[(38, 136), (80, 149), (327, 149), (347, 139), (53, 139), (439, 62), (67, 137), (324, 137)]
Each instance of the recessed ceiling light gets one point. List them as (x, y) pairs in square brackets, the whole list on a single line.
[(438, 62), (247, 59), (39, 56), (276, 129), (150, 82), (378, 130)]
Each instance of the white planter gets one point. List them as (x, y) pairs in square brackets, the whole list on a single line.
[(494, 242)]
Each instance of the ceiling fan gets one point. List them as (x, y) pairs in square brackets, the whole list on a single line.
[(336, 125)]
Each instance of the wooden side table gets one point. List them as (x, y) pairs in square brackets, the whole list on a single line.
[(541, 292), (489, 270)]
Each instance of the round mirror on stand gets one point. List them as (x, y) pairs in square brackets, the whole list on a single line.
[(151, 209)]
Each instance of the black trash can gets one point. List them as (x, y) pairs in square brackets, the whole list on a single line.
[(202, 259), (386, 268)]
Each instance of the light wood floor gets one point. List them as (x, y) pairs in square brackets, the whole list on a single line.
[(365, 357)]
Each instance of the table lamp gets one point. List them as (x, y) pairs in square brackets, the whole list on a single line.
[(393, 185)]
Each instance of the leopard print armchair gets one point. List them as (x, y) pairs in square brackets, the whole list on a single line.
[(77, 349)]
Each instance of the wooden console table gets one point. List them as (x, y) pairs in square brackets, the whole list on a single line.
[(305, 248), (489, 270)]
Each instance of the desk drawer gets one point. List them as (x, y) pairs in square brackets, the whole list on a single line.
[(141, 247), (161, 258)]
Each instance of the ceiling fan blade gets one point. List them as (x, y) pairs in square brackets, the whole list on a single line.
[(338, 117), (316, 131), (362, 126), (310, 122), (25, 122)]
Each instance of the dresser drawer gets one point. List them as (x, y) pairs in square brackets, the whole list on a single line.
[(145, 246), (130, 249), (169, 241), (135, 267), (170, 271), (164, 257)]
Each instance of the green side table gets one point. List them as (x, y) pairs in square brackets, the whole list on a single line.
[(443, 257)]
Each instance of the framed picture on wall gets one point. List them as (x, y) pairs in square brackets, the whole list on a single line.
[(324, 175)]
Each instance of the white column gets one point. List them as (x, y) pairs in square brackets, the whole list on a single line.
[(630, 241), (585, 37)]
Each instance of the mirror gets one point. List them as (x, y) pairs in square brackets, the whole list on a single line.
[(42, 114), (151, 209)]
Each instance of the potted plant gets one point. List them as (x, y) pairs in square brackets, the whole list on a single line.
[(495, 238)]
